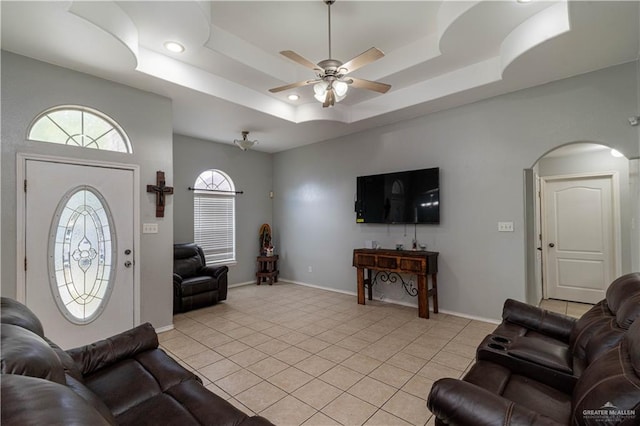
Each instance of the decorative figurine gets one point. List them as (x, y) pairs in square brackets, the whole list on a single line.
[(266, 248)]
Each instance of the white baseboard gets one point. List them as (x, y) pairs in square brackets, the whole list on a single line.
[(396, 302), (165, 328), (241, 284)]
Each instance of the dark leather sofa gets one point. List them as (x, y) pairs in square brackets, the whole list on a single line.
[(196, 285), (124, 380), (539, 367)]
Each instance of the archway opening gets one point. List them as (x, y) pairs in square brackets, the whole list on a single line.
[(558, 190)]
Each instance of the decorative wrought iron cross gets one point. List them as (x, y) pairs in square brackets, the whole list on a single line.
[(161, 189)]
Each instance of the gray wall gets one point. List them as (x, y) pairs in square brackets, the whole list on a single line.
[(481, 150), (251, 172), (634, 165), (28, 88)]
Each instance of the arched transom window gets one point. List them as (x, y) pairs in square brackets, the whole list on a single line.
[(79, 126), (214, 225)]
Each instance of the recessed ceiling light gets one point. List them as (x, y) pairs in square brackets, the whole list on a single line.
[(293, 97), (173, 46), (523, 1)]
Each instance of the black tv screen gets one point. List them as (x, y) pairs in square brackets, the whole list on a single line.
[(402, 197)]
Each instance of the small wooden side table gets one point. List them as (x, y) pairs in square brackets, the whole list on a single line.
[(267, 269)]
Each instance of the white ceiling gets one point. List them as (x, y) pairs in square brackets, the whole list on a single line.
[(439, 54)]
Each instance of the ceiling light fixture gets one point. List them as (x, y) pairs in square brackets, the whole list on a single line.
[(332, 83), (173, 46), (293, 97), (616, 153), (244, 143)]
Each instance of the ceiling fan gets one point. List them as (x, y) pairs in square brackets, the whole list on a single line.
[(332, 82)]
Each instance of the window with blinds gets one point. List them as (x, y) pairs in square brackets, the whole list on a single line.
[(214, 216)]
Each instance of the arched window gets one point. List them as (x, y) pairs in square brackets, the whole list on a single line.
[(214, 224), (79, 126)]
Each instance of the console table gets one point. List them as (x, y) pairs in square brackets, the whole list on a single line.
[(389, 264)]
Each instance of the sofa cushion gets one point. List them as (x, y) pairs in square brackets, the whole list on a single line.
[(189, 403), (25, 353), (524, 391), (145, 376), (197, 285), (90, 398), (587, 326), (187, 261), (29, 401), (14, 312)]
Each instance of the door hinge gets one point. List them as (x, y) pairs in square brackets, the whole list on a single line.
[(25, 185), (25, 263)]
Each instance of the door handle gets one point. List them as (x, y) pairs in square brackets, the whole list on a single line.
[(128, 264), (551, 245)]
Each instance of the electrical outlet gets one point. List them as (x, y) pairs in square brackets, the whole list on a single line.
[(310, 269), (149, 228), (505, 226)]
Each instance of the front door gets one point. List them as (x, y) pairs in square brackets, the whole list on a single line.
[(79, 277), (579, 237)]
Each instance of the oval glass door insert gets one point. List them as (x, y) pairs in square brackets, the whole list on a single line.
[(82, 254)]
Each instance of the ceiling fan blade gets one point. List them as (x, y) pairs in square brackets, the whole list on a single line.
[(330, 99), (369, 85), (292, 85), (362, 59), (299, 59)]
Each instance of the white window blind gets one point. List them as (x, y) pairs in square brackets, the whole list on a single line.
[(214, 226), (214, 217)]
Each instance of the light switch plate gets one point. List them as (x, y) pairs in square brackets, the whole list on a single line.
[(505, 226), (149, 228)]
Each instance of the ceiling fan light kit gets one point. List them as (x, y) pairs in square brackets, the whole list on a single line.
[(331, 84), (244, 143)]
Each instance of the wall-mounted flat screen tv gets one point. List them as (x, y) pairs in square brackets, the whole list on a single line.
[(402, 197)]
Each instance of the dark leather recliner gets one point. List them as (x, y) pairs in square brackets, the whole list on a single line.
[(196, 285), (557, 342), (607, 392)]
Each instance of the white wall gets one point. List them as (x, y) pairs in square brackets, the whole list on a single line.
[(251, 172), (30, 87), (481, 150)]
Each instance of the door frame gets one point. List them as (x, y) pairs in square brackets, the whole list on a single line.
[(617, 238), (21, 229)]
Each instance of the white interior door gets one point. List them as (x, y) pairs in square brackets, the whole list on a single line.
[(79, 277), (579, 237)]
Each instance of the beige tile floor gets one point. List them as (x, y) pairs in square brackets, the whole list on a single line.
[(571, 309), (305, 356)]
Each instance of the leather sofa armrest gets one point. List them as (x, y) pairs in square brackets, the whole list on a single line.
[(550, 323), (177, 279), (554, 356), (93, 357), (461, 403), (214, 271)]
